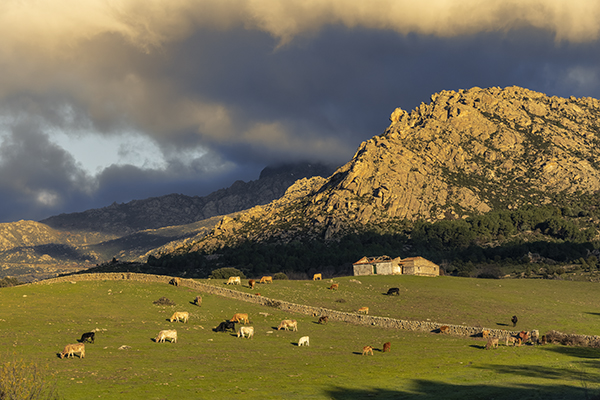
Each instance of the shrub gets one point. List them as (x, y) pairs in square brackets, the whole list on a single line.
[(280, 276), (8, 282), (226, 273), (163, 301), (21, 380)]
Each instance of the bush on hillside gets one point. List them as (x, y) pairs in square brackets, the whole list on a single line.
[(280, 276), (8, 282), (163, 301), (226, 273), (22, 380)]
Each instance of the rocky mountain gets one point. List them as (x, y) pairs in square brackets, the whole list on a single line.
[(178, 209), (465, 153), (68, 242)]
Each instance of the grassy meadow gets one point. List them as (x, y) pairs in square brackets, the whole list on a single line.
[(37, 321)]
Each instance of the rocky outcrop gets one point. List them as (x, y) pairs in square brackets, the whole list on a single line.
[(466, 152)]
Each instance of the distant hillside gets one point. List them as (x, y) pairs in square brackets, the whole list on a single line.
[(178, 209), (465, 154)]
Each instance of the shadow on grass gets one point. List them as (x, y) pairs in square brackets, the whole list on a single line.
[(424, 389), (502, 324), (579, 352), (593, 313)]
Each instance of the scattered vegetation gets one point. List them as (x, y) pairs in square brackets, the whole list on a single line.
[(8, 282), (226, 273), (20, 380), (163, 301)]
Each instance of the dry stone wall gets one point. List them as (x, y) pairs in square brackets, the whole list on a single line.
[(333, 315)]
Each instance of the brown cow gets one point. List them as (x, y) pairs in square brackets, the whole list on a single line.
[(70, 349), (323, 319), (485, 333), (198, 300), (242, 318), (492, 343), (175, 282), (524, 336), (367, 350), (288, 324), (251, 283), (511, 340), (317, 277), (444, 329), (363, 310), (387, 346), (334, 286), (544, 340), (266, 279)]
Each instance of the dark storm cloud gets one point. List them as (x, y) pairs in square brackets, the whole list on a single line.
[(218, 89)]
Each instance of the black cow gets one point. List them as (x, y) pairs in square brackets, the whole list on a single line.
[(514, 320), (394, 290), (87, 337), (224, 326)]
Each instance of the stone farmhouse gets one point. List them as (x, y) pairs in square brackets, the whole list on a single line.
[(384, 265)]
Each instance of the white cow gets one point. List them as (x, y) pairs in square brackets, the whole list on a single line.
[(304, 341), (180, 315), (234, 280), (247, 331), (170, 334)]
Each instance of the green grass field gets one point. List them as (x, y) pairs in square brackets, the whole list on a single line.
[(37, 321)]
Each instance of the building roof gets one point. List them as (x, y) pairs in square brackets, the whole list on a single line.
[(373, 260)]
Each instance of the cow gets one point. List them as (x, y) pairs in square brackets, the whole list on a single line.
[(87, 337), (247, 331), (492, 343), (524, 336), (175, 282), (287, 324), (387, 346), (70, 349), (304, 341), (234, 280), (183, 315), (393, 291), (367, 350), (511, 340), (323, 319), (444, 329), (334, 286), (364, 310), (535, 335), (251, 283), (317, 277), (514, 320), (544, 340), (170, 334), (485, 333), (198, 301), (266, 279), (238, 317), (224, 326)]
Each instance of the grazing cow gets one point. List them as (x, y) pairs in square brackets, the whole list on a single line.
[(170, 334), (224, 326), (175, 282), (251, 283), (393, 291), (288, 324), (87, 337), (444, 329), (334, 286), (234, 280), (364, 310), (183, 315), (238, 317), (535, 335), (323, 319), (524, 336), (247, 331), (70, 349), (304, 341), (198, 301), (266, 279), (317, 277), (514, 320), (544, 341), (492, 343), (511, 340), (387, 346), (367, 350), (485, 333), (258, 294)]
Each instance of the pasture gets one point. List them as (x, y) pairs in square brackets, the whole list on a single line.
[(37, 321)]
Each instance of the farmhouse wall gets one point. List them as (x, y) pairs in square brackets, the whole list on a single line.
[(353, 318)]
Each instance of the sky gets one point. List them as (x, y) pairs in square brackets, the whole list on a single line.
[(105, 101)]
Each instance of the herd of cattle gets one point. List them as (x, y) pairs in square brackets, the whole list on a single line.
[(289, 324)]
